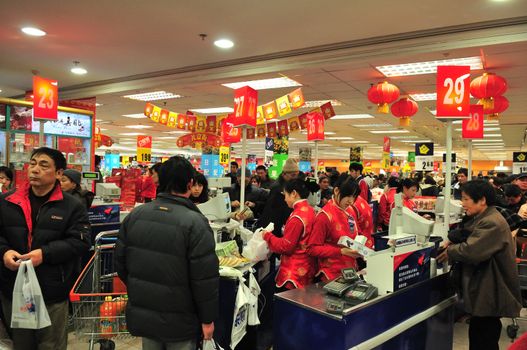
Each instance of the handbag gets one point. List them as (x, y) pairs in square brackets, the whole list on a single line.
[(29, 310)]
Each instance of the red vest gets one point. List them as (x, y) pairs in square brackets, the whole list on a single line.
[(298, 268), (340, 222), (363, 215)]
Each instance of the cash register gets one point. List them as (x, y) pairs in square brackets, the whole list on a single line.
[(347, 290)]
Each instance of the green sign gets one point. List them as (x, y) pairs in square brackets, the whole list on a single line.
[(411, 157)]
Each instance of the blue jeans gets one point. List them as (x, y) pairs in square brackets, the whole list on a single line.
[(152, 344)]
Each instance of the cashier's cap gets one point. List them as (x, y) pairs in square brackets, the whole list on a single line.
[(73, 175)]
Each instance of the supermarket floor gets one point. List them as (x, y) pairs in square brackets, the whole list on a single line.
[(460, 338)]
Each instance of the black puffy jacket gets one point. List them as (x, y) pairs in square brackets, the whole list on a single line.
[(165, 255), (62, 232)]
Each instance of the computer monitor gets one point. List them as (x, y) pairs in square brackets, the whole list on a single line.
[(405, 221), (455, 206), (217, 208), (108, 190)]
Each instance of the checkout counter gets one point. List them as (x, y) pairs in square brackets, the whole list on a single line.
[(402, 304)]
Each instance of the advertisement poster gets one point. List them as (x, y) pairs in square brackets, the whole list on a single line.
[(410, 268), (281, 145), (3, 114), (103, 214), (304, 154), (356, 154)]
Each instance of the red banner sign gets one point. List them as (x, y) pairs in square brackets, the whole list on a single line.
[(199, 137), (229, 133), (315, 126), (327, 110), (245, 104), (453, 91), (45, 98), (386, 144), (473, 127), (144, 141)]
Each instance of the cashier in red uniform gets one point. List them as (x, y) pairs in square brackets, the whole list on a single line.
[(297, 268), (386, 204), (150, 182), (362, 212), (331, 223), (408, 188)]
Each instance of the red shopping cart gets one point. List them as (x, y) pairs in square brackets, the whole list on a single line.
[(99, 297)]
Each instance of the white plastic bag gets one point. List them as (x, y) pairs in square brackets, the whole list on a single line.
[(211, 345), (29, 310), (253, 292), (257, 249), (239, 323)]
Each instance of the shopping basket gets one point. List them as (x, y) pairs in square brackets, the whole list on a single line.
[(99, 297)]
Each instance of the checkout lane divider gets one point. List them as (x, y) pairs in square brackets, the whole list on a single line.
[(404, 326)]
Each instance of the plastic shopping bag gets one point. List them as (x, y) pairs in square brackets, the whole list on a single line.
[(253, 292), (211, 345), (239, 323), (29, 310), (257, 249)]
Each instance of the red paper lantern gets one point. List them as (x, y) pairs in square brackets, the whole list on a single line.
[(404, 109), (499, 106), (487, 87), (383, 94)]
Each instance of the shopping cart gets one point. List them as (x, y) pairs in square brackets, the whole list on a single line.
[(99, 297), (512, 329)]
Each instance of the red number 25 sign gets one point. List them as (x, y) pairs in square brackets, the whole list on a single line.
[(453, 91), (45, 98), (473, 127)]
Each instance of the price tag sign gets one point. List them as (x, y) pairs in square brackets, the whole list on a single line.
[(519, 162), (473, 127), (45, 98), (245, 105), (453, 92), (315, 126), (144, 149), (518, 168), (424, 163), (224, 155)]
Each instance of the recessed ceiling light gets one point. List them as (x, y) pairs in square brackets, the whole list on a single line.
[(339, 138), (491, 135), (414, 141), (354, 141), (153, 96), (135, 115), (329, 133), (349, 116), (273, 83), (213, 110), (388, 131), (78, 70), (404, 137), (379, 125), (176, 132), (131, 133), (167, 138), (424, 97), (33, 31), (99, 104), (318, 103), (98, 120), (138, 126), (416, 68), (224, 43)]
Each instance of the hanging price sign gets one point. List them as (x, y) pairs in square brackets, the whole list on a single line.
[(45, 98), (473, 128), (224, 155), (315, 126), (519, 162), (453, 92), (144, 149), (424, 163), (245, 105)]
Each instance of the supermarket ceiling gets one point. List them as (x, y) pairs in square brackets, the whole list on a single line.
[(331, 48)]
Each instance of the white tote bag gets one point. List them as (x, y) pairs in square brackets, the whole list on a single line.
[(29, 310), (239, 323), (252, 295)]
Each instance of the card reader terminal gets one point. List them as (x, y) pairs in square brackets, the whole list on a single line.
[(341, 284)]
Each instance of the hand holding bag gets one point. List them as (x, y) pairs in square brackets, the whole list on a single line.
[(29, 310)]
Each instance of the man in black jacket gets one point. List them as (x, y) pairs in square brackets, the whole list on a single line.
[(41, 223), (255, 197), (165, 254)]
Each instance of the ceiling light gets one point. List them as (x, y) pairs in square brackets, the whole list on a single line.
[(99, 104), (224, 43), (318, 103), (213, 110), (167, 138), (484, 129), (102, 129), (128, 142), (135, 115), (98, 120), (33, 31), (415, 141), (273, 83), (329, 133), (131, 134), (351, 116), (380, 125), (485, 122), (176, 132), (416, 68), (404, 137), (491, 135), (388, 131), (152, 96), (339, 138), (424, 97), (78, 70), (138, 126), (354, 142)]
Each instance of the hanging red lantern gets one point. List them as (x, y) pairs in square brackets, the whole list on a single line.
[(501, 103), (383, 94), (487, 87), (404, 109)]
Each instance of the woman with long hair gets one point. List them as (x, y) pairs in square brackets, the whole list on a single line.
[(199, 192)]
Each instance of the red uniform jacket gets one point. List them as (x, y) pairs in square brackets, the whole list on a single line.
[(363, 215), (407, 202), (385, 206), (148, 188), (331, 223), (296, 266), (364, 189)]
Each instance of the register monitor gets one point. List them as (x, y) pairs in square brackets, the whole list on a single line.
[(404, 221), (107, 191), (217, 208), (456, 209)]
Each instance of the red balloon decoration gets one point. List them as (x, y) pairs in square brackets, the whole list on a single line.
[(383, 94), (501, 103), (404, 109), (487, 87)]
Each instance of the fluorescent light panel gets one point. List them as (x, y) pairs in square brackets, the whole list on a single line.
[(349, 142), (404, 137), (318, 103), (424, 97), (131, 133), (352, 116), (135, 115), (415, 141), (339, 138), (273, 83), (380, 125), (429, 67), (388, 131), (138, 126), (213, 110), (153, 96)]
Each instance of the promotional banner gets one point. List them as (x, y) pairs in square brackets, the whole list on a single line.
[(315, 126), (453, 92), (224, 155), (386, 144), (229, 133), (281, 145), (327, 110), (424, 156), (284, 107), (297, 98), (519, 162), (294, 124), (163, 117), (245, 105), (283, 129), (473, 128), (45, 98), (356, 154), (410, 268), (144, 149), (269, 152), (278, 163), (304, 166), (199, 138), (385, 161), (210, 164), (411, 157)]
